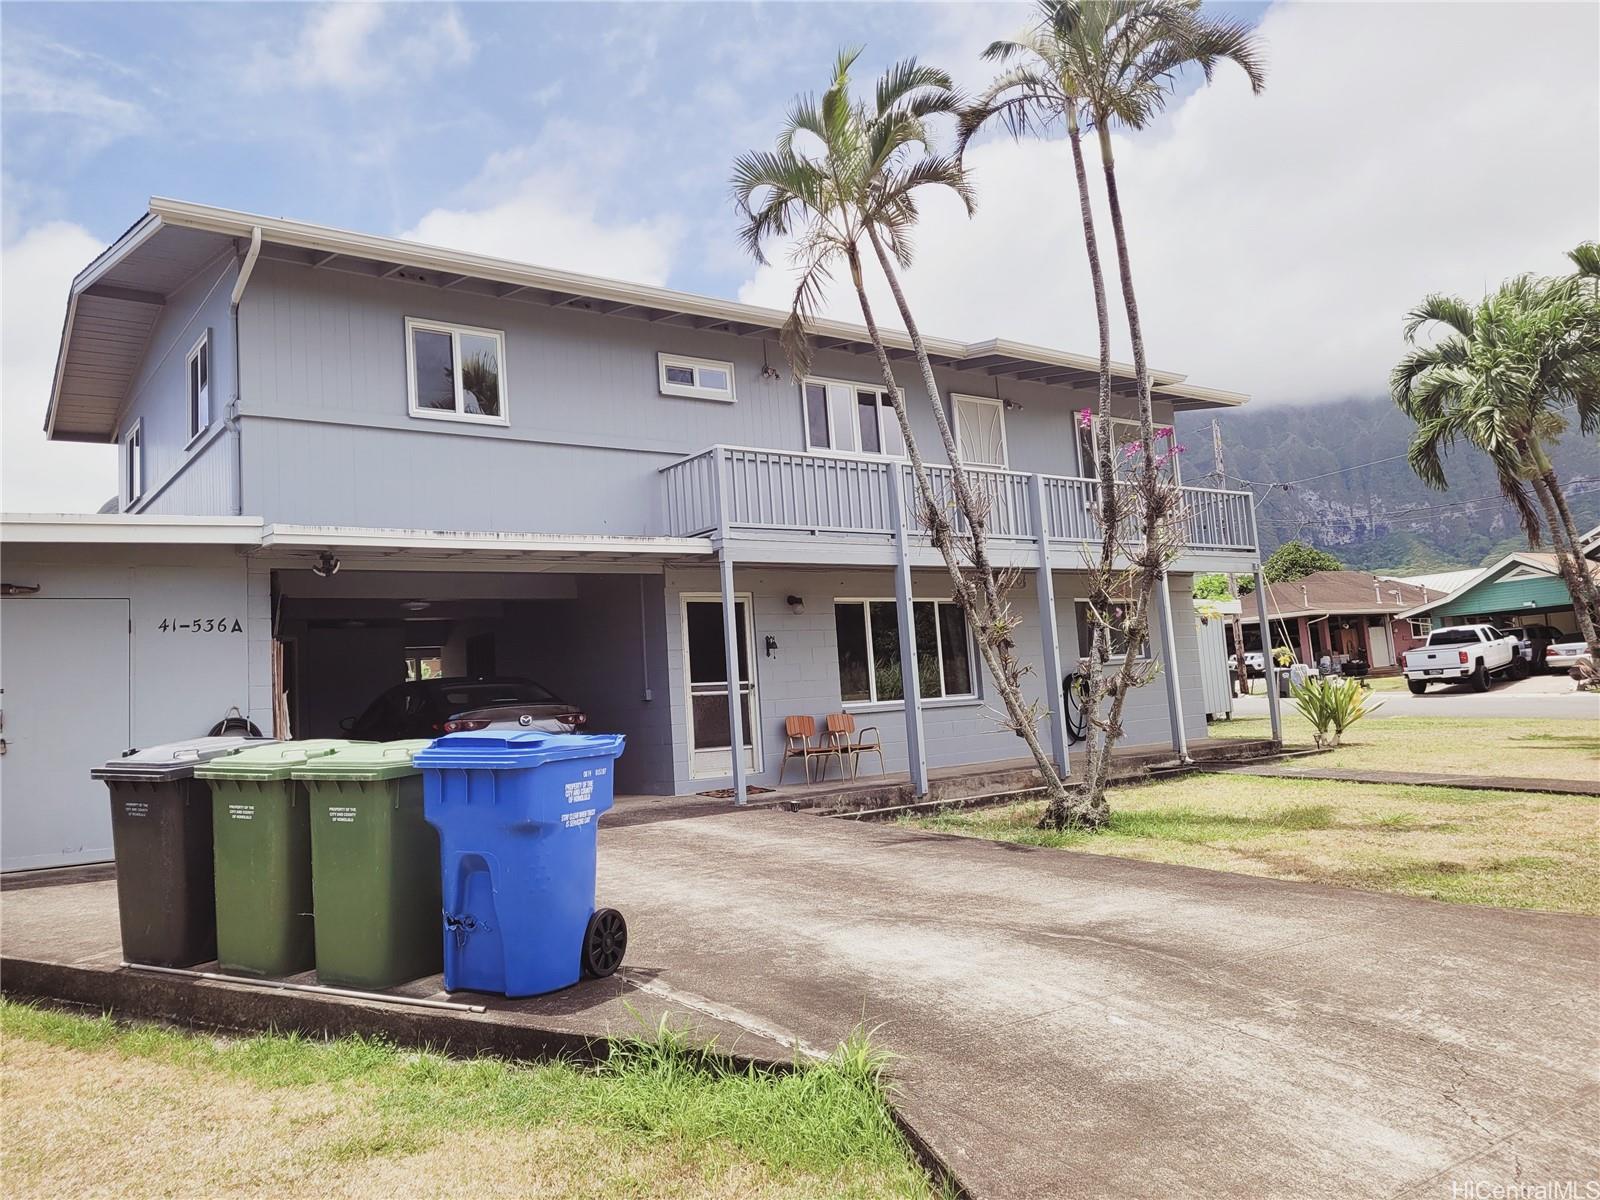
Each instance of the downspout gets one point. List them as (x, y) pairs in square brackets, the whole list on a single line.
[(245, 270)]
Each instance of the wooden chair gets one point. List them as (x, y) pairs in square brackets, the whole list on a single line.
[(845, 740), (799, 733)]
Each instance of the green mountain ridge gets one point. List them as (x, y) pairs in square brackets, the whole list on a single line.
[(1334, 474)]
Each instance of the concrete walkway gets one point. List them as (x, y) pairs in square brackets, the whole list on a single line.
[(1078, 1025), (1476, 783), (1068, 1024)]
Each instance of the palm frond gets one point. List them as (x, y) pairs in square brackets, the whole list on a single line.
[(1447, 310)]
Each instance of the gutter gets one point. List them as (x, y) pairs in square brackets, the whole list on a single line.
[(246, 269)]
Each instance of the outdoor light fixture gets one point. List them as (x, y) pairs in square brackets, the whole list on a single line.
[(18, 589), (327, 566), (416, 605), (796, 605)]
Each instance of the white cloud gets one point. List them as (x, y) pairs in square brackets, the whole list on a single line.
[(1278, 240), (36, 271), (550, 216), (360, 47)]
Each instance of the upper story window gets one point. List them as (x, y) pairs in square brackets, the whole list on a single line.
[(456, 372), (199, 384), (133, 464), (851, 418), (696, 378), (981, 430), (1124, 433)]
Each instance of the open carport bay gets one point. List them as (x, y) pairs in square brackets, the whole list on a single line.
[(595, 640)]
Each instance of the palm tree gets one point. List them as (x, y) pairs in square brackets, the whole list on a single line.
[(1105, 63), (1504, 377), (842, 173)]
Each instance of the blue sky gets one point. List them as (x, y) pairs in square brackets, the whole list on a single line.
[(1397, 149)]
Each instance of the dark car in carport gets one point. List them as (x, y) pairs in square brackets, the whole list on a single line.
[(426, 708)]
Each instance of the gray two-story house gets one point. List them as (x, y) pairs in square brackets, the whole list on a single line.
[(349, 460)]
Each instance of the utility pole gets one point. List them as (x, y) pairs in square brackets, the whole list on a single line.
[(1240, 668)]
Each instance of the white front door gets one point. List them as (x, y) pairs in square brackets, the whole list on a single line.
[(981, 431), (1382, 655), (705, 671), (63, 712)]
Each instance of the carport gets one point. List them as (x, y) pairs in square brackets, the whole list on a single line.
[(356, 612)]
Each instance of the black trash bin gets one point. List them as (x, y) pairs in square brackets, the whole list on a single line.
[(161, 835)]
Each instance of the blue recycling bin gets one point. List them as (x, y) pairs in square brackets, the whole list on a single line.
[(517, 812)]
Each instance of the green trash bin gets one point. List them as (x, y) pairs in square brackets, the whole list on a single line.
[(374, 866), (261, 829)]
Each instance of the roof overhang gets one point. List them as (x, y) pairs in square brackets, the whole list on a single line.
[(115, 301), (58, 529), (1483, 576)]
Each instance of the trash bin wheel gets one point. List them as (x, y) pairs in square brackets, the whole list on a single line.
[(604, 943)]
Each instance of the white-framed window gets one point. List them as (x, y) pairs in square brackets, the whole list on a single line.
[(868, 645), (1119, 639), (981, 430), (850, 418), (1421, 627), (696, 378), (456, 372), (198, 377), (133, 464), (1124, 432)]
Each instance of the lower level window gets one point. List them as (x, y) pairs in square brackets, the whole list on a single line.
[(870, 667), (1119, 636)]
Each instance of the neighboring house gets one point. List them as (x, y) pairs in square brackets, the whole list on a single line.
[(1340, 614), (1524, 588), (342, 454)]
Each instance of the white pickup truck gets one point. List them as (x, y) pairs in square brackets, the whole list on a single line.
[(1471, 653)]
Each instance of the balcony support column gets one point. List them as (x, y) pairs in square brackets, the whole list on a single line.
[(1169, 668), (731, 634), (1049, 635), (1269, 667), (916, 756)]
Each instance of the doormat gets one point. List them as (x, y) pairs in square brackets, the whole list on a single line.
[(727, 793)]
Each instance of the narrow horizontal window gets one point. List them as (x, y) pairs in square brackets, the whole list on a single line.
[(456, 372), (871, 668), (695, 378)]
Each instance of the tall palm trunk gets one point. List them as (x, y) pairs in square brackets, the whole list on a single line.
[(943, 535), (995, 636), (1141, 367), (1569, 556)]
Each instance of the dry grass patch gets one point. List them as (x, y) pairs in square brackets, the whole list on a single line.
[(92, 1108), (1507, 747), (1508, 849)]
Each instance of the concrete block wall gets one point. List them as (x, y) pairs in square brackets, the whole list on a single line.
[(801, 677)]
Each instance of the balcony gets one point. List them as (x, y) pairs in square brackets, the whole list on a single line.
[(779, 492)]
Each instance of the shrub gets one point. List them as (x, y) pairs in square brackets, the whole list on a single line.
[(1332, 706)]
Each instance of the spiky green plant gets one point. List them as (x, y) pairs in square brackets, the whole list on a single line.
[(1331, 705)]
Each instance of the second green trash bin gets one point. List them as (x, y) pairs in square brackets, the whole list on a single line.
[(374, 866), (262, 831)]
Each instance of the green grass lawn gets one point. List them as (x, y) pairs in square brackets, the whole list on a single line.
[(1508, 849), (1548, 749), (91, 1104)]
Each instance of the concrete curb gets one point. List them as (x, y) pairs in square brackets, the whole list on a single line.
[(206, 1004)]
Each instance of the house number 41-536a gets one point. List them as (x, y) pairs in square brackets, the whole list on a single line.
[(201, 625)]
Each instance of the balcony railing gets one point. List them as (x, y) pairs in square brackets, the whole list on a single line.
[(780, 491)]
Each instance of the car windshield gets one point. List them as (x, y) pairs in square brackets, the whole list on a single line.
[(489, 693), (1453, 637)]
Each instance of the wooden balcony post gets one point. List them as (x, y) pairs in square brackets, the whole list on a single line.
[(1048, 633), (1169, 668), (916, 756), (731, 633)]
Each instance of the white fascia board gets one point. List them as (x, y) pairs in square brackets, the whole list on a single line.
[(117, 529), (281, 536), (434, 258), (1204, 396)]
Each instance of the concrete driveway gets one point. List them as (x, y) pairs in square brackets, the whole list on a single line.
[(1536, 697), (1074, 1025)]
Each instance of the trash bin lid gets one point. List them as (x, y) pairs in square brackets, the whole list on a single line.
[(364, 762), (267, 763), (174, 760), (515, 749)]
